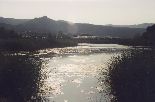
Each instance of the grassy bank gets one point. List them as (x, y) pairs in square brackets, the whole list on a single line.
[(19, 78), (131, 76)]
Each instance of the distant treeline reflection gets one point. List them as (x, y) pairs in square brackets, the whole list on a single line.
[(131, 76)]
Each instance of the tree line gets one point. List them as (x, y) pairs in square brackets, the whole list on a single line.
[(11, 40)]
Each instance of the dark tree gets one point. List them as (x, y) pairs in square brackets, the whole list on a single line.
[(149, 36)]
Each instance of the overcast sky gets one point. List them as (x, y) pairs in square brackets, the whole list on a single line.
[(83, 11)]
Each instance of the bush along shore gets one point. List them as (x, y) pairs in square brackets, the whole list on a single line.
[(131, 76), (146, 39)]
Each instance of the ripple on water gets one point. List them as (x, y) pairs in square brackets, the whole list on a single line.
[(72, 73)]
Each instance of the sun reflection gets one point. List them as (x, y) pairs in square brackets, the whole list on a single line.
[(73, 69), (76, 68)]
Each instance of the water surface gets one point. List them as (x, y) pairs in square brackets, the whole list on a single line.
[(70, 74)]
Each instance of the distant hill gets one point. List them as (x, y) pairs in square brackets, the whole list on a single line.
[(143, 25), (45, 24), (12, 21)]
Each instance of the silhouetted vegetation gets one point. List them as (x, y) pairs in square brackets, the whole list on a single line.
[(6, 34), (10, 40), (19, 78), (131, 76), (146, 39), (149, 36)]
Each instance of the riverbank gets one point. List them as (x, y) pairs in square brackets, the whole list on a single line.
[(33, 44), (131, 76)]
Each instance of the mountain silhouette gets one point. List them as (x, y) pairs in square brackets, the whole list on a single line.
[(12, 21), (45, 24), (143, 25)]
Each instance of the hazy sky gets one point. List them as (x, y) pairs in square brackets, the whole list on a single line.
[(82, 11)]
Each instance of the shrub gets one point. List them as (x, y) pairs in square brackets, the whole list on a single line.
[(131, 76)]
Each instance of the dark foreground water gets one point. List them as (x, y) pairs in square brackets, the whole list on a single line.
[(71, 74)]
